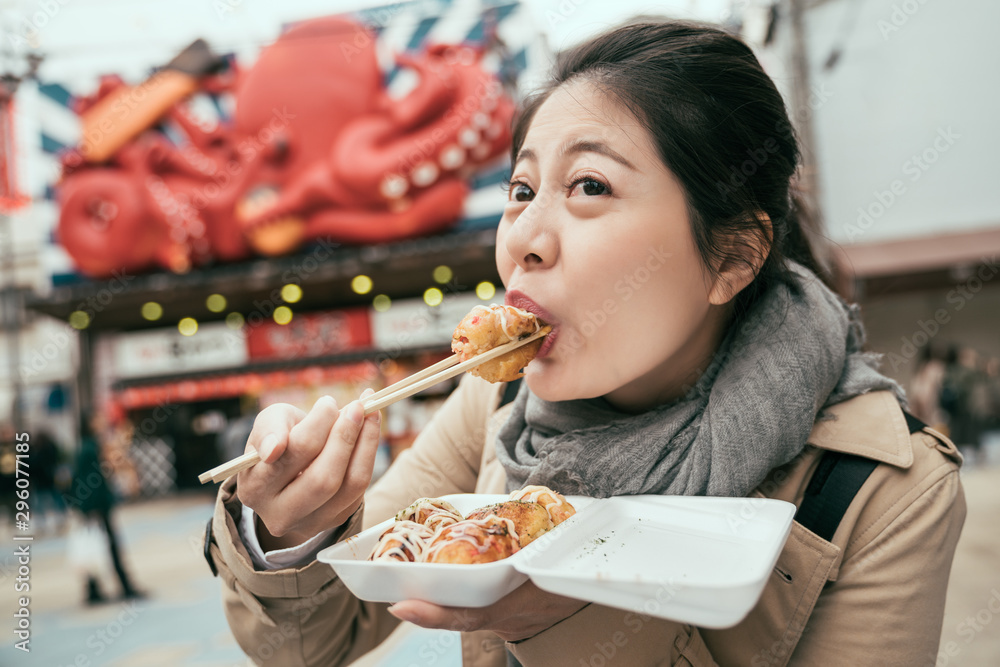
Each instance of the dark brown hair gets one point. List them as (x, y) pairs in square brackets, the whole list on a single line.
[(720, 126)]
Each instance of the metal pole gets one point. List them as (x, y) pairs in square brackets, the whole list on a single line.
[(13, 309), (803, 113)]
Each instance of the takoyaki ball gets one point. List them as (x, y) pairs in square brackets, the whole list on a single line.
[(510, 366), (431, 512), (404, 541), (531, 520), (487, 327), (558, 507), (474, 541)]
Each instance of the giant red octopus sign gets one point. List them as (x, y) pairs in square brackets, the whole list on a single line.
[(316, 148)]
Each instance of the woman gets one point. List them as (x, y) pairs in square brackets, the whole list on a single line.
[(92, 495), (694, 351)]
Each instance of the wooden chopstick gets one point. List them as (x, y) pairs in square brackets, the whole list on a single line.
[(230, 468), (373, 405), (410, 379), (430, 376)]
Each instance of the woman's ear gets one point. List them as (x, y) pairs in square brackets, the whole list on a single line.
[(745, 255)]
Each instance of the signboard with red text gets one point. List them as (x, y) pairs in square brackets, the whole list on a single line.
[(311, 335)]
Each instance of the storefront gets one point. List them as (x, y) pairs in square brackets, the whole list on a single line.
[(180, 399)]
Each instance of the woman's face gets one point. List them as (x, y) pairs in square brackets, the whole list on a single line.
[(595, 238)]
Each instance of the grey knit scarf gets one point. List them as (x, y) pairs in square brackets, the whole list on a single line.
[(796, 352)]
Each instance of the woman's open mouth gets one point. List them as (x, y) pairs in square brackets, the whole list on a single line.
[(521, 300)]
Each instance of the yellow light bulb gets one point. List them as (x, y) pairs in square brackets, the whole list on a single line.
[(282, 315), (442, 274), (152, 311), (79, 319), (433, 296), (381, 303), (291, 293), (361, 284), (188, 326), (485, 290), (216, 303)]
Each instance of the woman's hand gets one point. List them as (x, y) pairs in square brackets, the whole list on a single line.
[(520, 614), (314, 469)]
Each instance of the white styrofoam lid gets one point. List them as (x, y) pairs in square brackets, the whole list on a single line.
[(698, 560)]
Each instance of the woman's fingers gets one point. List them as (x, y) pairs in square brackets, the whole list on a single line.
[(362, 463), (337, 477), (299, 441), (323, 478), (345, 502), (314, 467), (428, 615), (269, 435), (522, 613)]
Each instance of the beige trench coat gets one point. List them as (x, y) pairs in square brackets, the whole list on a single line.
[(873, 596)]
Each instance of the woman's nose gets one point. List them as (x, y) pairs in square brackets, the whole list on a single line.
[(531, 241)]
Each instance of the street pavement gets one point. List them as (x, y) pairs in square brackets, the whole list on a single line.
[(181, 622)]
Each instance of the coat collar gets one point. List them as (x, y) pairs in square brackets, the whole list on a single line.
[(871, 425)]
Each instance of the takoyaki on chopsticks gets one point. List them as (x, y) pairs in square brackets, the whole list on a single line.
[(493, 342), (487, 327)]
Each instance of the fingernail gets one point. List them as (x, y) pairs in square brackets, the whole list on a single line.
[(367, 392), (355, 412), (401, 614), (268, 445)]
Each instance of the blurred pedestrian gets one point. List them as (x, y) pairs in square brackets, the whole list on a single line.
[(925, 388), (956, 395), (980, 403), (993, 382), (92, 496), (44, 468)]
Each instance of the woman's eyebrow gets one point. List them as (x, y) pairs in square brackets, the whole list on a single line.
[(525, 154), (587, 146), (580, 146)]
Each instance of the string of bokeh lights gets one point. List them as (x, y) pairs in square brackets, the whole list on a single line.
[(291, 293)]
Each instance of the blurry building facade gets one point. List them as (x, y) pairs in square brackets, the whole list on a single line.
[(904, 143)]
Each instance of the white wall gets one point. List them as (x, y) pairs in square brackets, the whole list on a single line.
[(912, 104)]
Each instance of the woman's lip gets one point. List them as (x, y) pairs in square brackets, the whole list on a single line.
[(547, 344), (521, 300)]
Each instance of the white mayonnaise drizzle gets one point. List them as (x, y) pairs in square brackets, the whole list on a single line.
[(462, 531), (412, 538), (505, 325), (532, 494)]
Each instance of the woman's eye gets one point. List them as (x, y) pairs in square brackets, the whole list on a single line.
[(589, 187), (521, 192)]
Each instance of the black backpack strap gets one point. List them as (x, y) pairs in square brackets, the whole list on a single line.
[(831, 490), (509, 392), (913, 423), (837, 479)]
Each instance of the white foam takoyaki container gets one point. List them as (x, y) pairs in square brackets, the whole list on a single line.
[(698, 560)]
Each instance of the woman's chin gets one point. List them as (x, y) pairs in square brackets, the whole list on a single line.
[(546, 385)]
